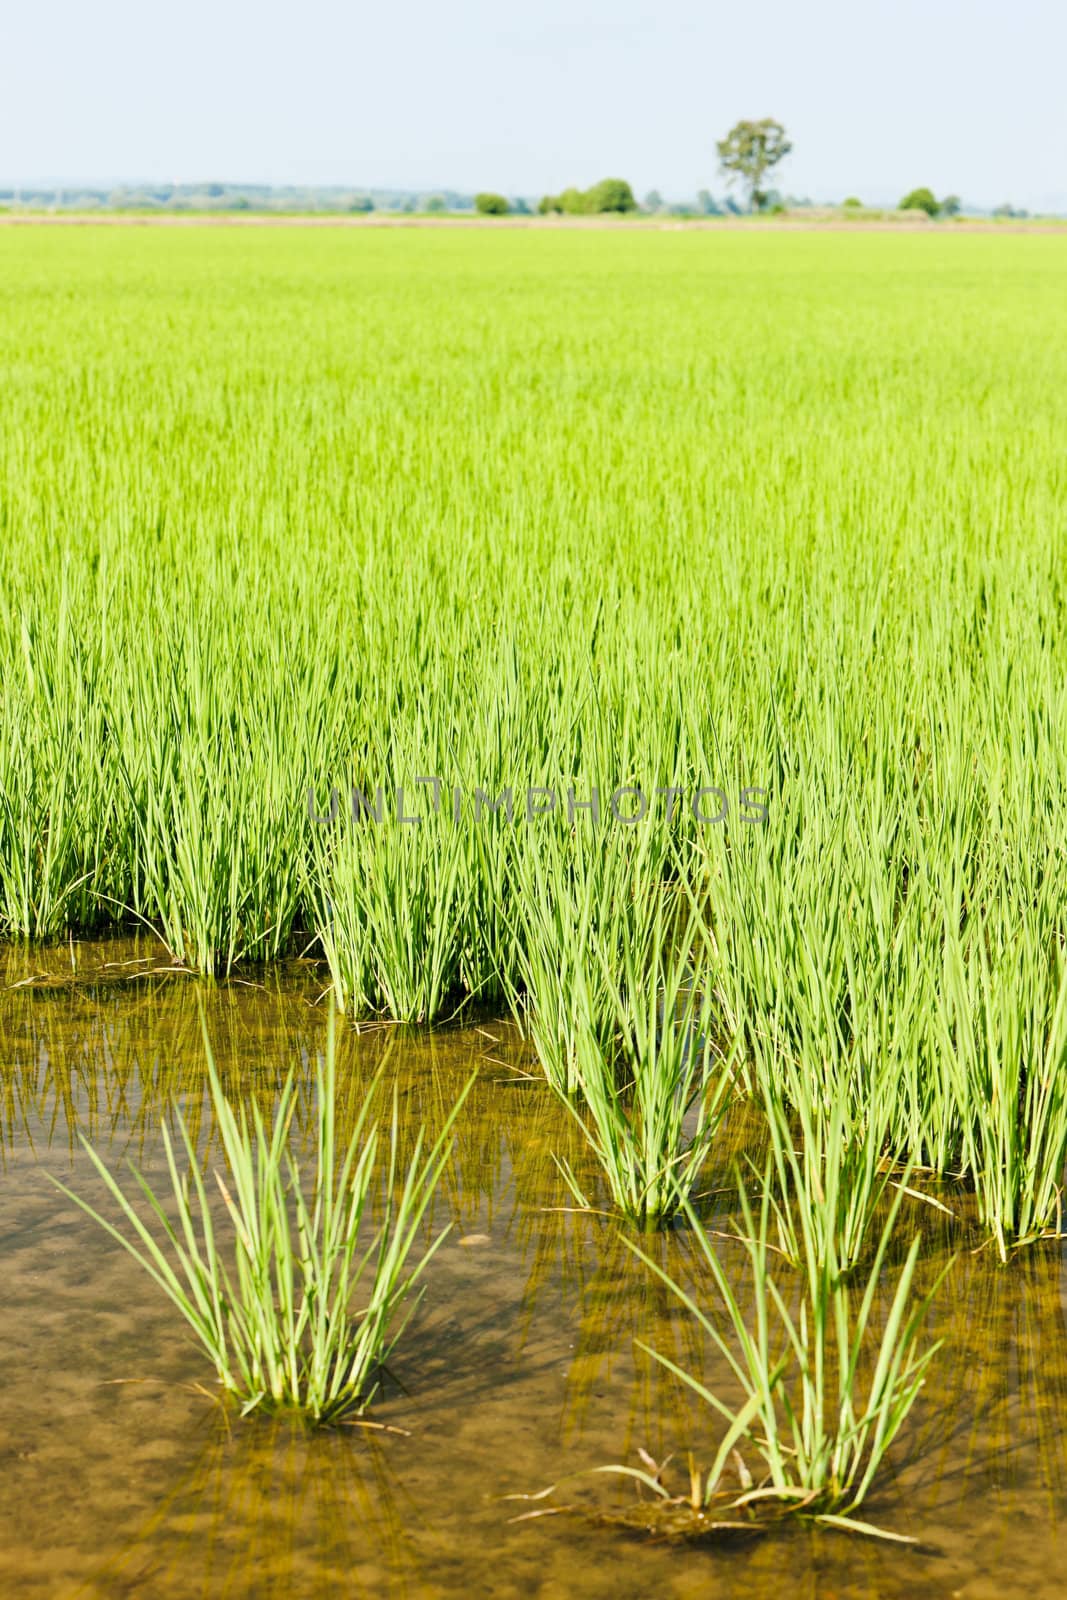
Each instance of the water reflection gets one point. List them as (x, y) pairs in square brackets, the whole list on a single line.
[(269, 1510)]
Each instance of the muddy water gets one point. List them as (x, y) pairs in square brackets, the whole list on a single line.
[(120, 1476)]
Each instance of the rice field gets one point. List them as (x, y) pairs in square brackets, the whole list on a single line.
[(644, 651)]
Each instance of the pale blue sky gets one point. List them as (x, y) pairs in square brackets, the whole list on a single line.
[(878, 95)]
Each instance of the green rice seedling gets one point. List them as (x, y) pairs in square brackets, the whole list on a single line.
[(305, 1301), (834, 1183), (1003, 1030), (709, 540), (583, 909), (56, 807), (825, 1392), (652, 1099), (390, 913), (216, 785)]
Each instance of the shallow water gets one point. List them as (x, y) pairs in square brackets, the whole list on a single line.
[(119, 1476)]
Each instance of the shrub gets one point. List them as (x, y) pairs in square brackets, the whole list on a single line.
[(852, 202), (610, 194), (920, 200), (490, 205)]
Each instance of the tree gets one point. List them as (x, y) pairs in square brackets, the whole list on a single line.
[(610, 194), (749, 151), (490, 205), (920, 200), (436, 203), (653, 200), (852, 203), (950, 206)]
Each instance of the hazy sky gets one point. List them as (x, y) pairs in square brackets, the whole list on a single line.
[(878, 95)]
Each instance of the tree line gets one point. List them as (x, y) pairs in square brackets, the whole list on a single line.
[(748, 155)]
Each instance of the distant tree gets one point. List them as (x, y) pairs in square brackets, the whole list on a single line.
[(362, 202), (950, 206), (520, 208), (610, 194), (490, 205), (707, 204), (436, 203), (852, 203), (920, 200), (749, 151), (653, 201)]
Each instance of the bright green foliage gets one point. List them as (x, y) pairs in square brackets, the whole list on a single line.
[(491, 205), (610, 194), (825, 1393), (564, 508), (297, 1298), (652, 1092), (1002, 1024), (580, 914), (832, 1179), (921, 200)]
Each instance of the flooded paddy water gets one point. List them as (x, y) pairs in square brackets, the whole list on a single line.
[(119, 1475)]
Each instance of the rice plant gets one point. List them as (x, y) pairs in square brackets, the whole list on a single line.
[(299, 1300), (581, 909), (1003, 1029), (390, 904), (826, 1391), (833, 1153), (653, 1096)]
